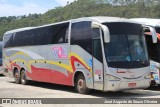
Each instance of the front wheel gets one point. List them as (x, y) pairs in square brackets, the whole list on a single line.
[(24, 80), (81, 85)]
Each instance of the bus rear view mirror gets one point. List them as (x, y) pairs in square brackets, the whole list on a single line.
[(104, 29), (153, 33)]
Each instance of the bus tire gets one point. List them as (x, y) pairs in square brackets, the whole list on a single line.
[(17, 76), (81, 84), (24, 80)]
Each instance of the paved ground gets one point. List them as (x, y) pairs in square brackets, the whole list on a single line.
[(8, 89)]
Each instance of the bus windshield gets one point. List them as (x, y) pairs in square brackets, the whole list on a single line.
[(127, 48)]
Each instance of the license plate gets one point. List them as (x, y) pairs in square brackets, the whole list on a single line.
[(132, 85)]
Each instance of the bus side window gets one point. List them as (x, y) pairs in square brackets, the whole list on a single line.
[(97, 49), (152, 48), (8, 40), (81, 35), (43, 35), (66, 36), (95, 33), (28, 38), (59, 35)]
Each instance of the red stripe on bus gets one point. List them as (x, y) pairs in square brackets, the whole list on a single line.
[(73, 60), (51, 76)]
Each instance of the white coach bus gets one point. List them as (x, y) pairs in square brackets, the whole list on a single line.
[(153, 48), (102, 53)]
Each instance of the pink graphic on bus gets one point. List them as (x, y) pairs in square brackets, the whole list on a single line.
[(60, 52)]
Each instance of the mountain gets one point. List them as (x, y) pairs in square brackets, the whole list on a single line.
[(84, 8)]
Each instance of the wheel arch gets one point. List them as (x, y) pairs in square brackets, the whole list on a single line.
[(14, 70), (78, 72), (22, 69)]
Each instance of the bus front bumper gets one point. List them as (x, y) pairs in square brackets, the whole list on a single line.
[(127, 85)]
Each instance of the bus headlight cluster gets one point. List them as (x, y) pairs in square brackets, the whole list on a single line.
[(148, 76), (112, 78)]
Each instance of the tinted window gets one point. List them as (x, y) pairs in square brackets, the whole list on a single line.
[(60, 33), (43, 35), (24, 38), (81, 35), (158, 30), (96, 33), (153, 48), (97, 49), (127, 46), (53, 34), (8, 40)]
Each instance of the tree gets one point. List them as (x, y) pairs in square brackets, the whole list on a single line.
[(84, 8)]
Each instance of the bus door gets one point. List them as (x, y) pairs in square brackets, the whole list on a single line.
[(98, 69)]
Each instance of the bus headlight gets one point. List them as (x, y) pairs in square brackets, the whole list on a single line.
[(112, 78), (148, 76)]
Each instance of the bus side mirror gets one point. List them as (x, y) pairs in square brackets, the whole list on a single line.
[(154, 34), (104, 29)]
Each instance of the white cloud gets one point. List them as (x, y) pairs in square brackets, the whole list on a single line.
[(25, 9), (64, 2), (7, 9), (3, 1)]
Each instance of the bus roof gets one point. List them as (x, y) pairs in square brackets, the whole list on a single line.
[(19, 30), (148, 21), (100, 19), (103, 19), (29, 28)]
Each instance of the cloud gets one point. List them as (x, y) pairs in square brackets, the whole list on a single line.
[(64, 2), (3, 1), (24, 9)]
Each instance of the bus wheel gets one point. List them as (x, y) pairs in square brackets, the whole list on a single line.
[(24, 80), (81, 85), (17, 77)]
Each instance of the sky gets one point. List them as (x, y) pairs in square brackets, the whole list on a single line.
[(24, 7)]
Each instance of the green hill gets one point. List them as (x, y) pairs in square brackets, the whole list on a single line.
[(84, 8)]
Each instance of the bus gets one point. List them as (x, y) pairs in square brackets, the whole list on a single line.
[(101, 53), (1, 68), (153, 48)]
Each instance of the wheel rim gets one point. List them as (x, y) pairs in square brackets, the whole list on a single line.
[(81, 85), (16, 76), (23, 77)]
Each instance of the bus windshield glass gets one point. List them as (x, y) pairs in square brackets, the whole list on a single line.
[(127, 48)]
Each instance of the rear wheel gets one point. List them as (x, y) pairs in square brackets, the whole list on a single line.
[(24, 80), (81, 85), (17, 77)]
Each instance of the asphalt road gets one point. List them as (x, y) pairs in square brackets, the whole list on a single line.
[(9, 89)]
